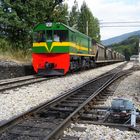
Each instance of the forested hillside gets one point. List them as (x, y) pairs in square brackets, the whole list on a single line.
[(120, 38), (127, 47)]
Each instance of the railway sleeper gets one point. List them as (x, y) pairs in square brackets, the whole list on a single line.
[(31, 133), (91, 104), (71, 102), (81, 95), (94, 100), (41, 120), (98, 112), (99, 103), (102, 100), (100, 97), (75, 105), (75, 118), (91, 117), (97, 98), (62, 109), (88, 90), (81, 111), (106, 94), (74, 100), (44, 125), (87, 107), (56, 114), (108, 91), (105, 108)]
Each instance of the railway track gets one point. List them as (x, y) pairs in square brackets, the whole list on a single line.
[(49, 120), (100, 115), (20, 81), (27, 80)]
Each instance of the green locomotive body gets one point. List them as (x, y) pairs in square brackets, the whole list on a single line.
[(59, 38), (55, 42), (58, 48)]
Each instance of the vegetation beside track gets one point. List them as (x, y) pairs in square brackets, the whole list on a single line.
[(18, 19), (13, 53)]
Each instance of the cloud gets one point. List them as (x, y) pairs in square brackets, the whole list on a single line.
[(113, 10)]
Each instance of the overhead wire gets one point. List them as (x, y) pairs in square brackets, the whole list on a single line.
[(120, 24)]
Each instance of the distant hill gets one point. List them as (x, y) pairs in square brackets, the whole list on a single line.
[(120, 38), (127, 47)]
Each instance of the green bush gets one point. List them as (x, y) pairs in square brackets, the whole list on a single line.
[(14, 52), (4, 45)]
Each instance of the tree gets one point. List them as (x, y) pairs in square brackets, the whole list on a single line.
[(86, 19), (17, 17), (135, 46), (60, 13), (127, 54), (74, 16)]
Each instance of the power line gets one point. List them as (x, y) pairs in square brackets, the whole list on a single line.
[(119, 26), (122, 22)]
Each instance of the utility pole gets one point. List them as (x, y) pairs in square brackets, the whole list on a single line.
[(87, 27), (139, 50)]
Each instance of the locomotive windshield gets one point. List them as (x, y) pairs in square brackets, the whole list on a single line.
[(60, 35), (39, 36), (49, 36)]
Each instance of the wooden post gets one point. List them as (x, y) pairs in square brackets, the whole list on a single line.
[(139, 50)]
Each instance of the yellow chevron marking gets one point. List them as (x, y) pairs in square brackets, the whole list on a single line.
[(63, 44), (38, 44)]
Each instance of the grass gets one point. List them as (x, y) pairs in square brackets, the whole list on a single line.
[(8, 52)]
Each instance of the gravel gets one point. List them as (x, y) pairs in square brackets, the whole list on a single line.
[(128, 66), (98, 132), (129, 89), (20, 100)]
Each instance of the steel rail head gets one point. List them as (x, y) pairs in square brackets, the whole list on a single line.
[(56, 133), (53, 101), (15, 80), (36, 109)]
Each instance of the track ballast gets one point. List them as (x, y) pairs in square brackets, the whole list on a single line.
[(50, 119)]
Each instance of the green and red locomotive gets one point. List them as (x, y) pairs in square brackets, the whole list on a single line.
[(58, 48)]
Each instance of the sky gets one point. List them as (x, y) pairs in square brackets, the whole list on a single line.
[(113, 11)]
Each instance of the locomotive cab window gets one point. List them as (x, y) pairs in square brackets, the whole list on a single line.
[(60, 35), (49, 35), (39, 36)]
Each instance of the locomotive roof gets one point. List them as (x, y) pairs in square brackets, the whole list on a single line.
[(74, 30), (53, 25)]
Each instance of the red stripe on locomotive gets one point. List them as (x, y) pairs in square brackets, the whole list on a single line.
[(60, 61)]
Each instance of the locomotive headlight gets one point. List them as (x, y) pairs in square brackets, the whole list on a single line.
[(48, 24)]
